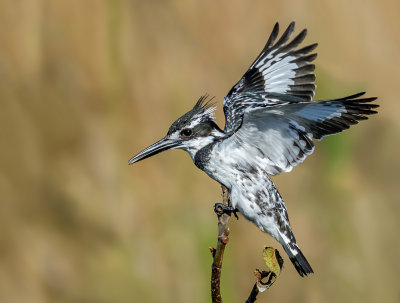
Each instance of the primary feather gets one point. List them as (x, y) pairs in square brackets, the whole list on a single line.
[(280, 74)]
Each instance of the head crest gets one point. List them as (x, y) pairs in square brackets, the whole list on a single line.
[(202, 111), (204, 106)]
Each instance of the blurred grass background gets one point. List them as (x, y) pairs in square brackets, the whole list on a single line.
[(84, 85)]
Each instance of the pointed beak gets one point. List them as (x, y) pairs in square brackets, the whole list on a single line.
[(164, 144)]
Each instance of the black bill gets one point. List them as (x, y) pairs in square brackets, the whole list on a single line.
[(164, 144)]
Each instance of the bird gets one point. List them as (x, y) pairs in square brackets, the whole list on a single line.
[(271, 122)]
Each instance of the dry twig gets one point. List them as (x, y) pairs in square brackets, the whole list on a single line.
[(218, 253), (254, 292)]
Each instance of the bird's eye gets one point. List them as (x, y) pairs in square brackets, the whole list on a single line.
[(186, 132)]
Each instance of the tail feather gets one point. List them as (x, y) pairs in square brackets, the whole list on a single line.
[(299, 261)]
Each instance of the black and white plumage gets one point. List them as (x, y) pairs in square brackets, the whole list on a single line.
[(271, 122)]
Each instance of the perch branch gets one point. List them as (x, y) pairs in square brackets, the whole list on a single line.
[(218, 253)]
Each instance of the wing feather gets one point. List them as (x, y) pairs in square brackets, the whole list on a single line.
[(282, 135), (280, 69)]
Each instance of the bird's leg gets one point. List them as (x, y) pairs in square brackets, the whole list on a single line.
[(221, 208)]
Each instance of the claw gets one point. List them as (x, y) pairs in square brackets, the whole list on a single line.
[(220, 209), (235, 211)]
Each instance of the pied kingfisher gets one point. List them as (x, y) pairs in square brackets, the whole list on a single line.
[(271, 122)]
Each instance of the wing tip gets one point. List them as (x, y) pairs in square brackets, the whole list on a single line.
[(272, 36)]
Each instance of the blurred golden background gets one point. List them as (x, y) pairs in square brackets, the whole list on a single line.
[(84, 85)]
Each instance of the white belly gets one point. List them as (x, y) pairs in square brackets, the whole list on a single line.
[(251, 190)]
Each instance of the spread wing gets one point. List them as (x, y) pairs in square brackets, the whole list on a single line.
[(280, 74), (279, 137)]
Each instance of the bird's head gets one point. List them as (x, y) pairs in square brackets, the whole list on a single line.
[(191, 132)]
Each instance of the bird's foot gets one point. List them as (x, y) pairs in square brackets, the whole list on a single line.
[(220, 209)]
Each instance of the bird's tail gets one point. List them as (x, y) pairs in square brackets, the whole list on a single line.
[(296, 256)]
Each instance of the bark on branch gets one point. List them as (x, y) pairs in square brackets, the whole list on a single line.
[(218, 253)]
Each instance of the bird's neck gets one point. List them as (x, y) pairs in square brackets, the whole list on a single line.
[(200, 144)]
